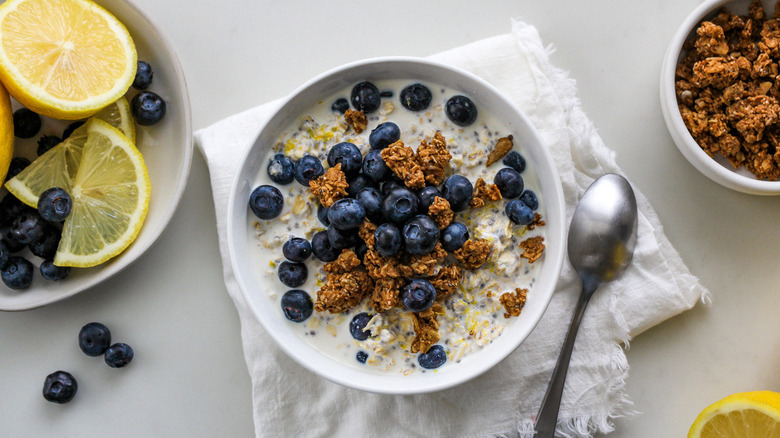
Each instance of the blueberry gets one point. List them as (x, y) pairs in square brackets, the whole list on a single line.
[(118, 355), (340, 105), (348, 155), (94, 339), (342, 239), (297, 305), (374, 166), (418, 295), (371, 199), (293, 274), (400, 205), (143, 75), (384, 135), (28, 227), (5, 254), (17, 273), (46, 246), (12, 244), (361, 356), (420, 235), (148, 108), (11, 207), (427, 195), (365, 97), (388, 240), (514, 160), (281, 169), (358, 324), (454, 236), (457, 190), (72, 127), (46, 142), (322, 214), (416, 97), (518, 212), (296, 249), (322, 249), (60, 387), (52, 272), (17, 165), (433, 358), (346, 214), (359, 183), (509, 183), (266, 202), (54, 204), (308, 168), (529, 198), (461, 110), (26, 123), (391, 184), (361, 250)]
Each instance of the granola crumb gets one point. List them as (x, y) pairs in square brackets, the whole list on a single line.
[(513, 302), (473, 254), (533, 247), (366, 233), (330, 186), (434, 158), (426, 329), (357, 120), (402, 161), (446, 281), (385, 267), (537, 222), (346, 262), (484, 193), (342, 292), (440, 212), (501, 148), (386, 293), (425, 264)]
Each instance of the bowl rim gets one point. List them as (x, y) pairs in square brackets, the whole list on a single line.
[(707, 165), (391, 383)]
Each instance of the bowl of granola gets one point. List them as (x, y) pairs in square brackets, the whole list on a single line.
[(397, 226), (719, 93)]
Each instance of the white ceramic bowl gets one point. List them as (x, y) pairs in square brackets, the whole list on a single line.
[(167, 150), (718, 168), (242, 240)]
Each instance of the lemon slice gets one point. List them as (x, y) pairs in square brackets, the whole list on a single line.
[(6, 132), (110, 199), (65, 59), (57, 167), (744, 415)]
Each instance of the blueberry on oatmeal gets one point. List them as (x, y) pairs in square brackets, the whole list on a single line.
[(358, 324), (322, 249), (416, 97), (457, 190), (529, 198), (346, 214), (420, 235), (308, 168), (341, 239), (374, 166), (518, 212), (365, 97), (297, 305), (359, 183), (433, 358), (340, 105), (384, 135), (296, 249), (388, 240), (266, 202), (400, 205), (418, 295), (322, 214), (391, 184), (514, 160), (509, 182), (371, 199), (348, 155), (454, 236), (461, 110), (281, 169), (361, 356), (360, 251), (293, 274), (427, 195)]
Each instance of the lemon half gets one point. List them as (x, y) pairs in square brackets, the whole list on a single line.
[(743, 415)]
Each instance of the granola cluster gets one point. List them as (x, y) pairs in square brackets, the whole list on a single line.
[(728, 89), (513, 302), (330, 186), (415, 169)]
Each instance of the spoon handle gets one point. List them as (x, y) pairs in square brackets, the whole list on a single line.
[(551, 403)]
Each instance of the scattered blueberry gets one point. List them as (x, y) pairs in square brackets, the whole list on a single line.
[(308, 168), (361, 356), (342, 239), (427, 195), (433, 358), (509, 182), (529, 198), (322, 249), (17, 273), (94, 339), (454, 236), (46, 246), (384, 135), (418, 295), (340, 105), (374, 166), (297, 305), (322, 214), (28, 227), (281, 169), (118, 355), (400, 205), (420, 235), (293, 274), (359, 183), (416, 97), (518, 212), (60, 387), (346, 214), (54, 204), (143, 75), (72, 127), (388, 239), (391, 184), (461, 110), (148, 108), (514, 160), (26, 123), (348, 155), (365, 97), (5, 254), (358, 324), (296, 249), (266, 202), (457, 190), (371, 199), (46, 142), (52, 272), (17, 165)]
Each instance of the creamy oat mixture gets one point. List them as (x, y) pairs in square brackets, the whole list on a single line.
[(473, 316)]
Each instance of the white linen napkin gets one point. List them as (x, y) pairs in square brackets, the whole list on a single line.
[(290, 401)]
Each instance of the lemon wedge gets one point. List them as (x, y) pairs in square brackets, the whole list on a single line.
[(6, 132), (110, 195), (743, 415), (65, 59)]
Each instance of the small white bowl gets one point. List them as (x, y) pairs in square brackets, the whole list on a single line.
[(167, 150), (242, 241), (718, 168)]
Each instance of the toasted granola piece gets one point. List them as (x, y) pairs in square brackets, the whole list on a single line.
[(366, 232), (533, 247), (484, 193), (728, 21), (402, 161), (763, 165), (501, 148), (446, 281), (440, 212), (473, 253), (694, 121), (346, 262), (426, 329), (425, 264), (434, 158), (385, 267), (718, 72), (756, 11), (342, 292), (753, 115), (763, 67), (770, 38), (711, 40), (537, 222), (330, 186), (386, 293), (513, 302), (357, 120)]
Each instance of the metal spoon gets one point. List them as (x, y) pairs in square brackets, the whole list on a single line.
[(602, 237)]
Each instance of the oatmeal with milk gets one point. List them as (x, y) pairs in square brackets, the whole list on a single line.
[(398, 226)]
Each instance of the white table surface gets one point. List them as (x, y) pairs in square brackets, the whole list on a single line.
[(189, 377)]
